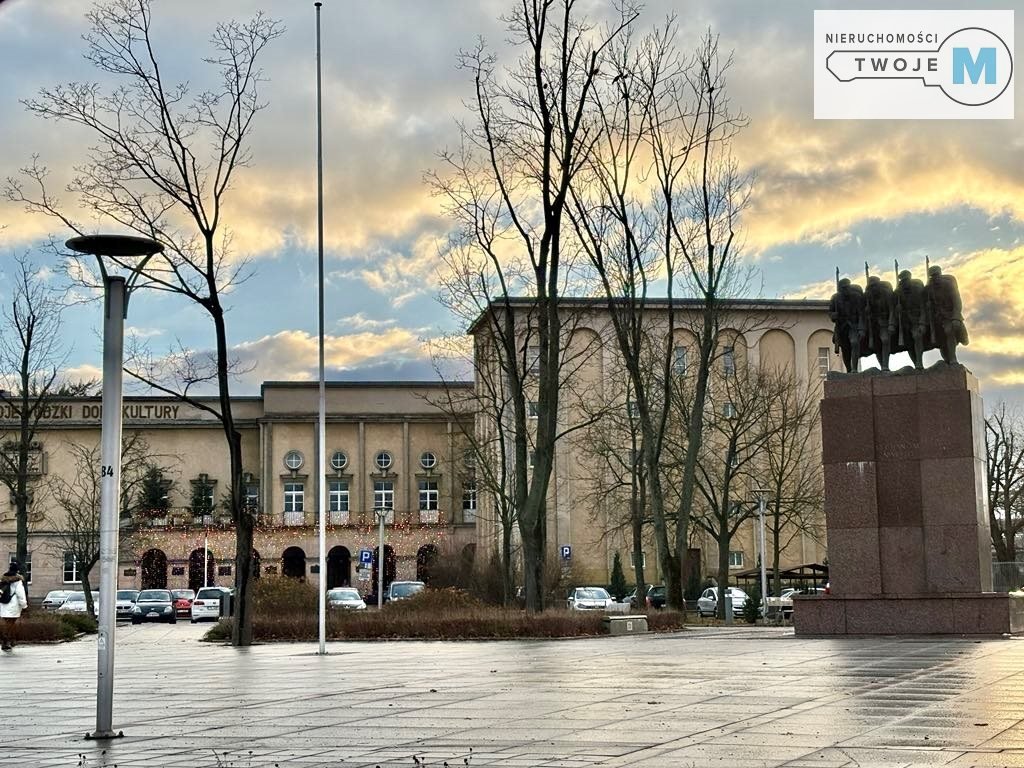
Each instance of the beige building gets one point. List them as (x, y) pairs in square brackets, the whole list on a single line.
[(583, 506), (388, 446)]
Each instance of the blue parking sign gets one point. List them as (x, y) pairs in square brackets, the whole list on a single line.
[(566, 552), (365, 556)]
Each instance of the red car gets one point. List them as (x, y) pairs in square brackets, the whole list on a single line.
[(183, 601)]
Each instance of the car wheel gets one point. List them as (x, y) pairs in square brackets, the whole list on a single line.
[(174, 620), (134, 622)]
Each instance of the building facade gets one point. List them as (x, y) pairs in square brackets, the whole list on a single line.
[(584, 511), (389, 448)]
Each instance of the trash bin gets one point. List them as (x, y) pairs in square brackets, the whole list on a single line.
[(225, 604)]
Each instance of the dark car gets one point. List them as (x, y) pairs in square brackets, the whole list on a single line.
[(154, 605), (656, 596)]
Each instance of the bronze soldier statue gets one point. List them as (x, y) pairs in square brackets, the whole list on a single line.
[(944, 314), (846, 309), (880, 318), (911, 317)]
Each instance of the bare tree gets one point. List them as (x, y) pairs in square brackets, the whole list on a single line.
[(507, 188), (659, 203), (738, 431), (163, 162), (32, 356), (76, 500), (789, 467), (1004, 452)]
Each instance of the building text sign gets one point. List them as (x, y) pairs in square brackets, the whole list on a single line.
[(93, 411), (913, 65)]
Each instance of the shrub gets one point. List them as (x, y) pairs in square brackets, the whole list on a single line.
[(38, 627), (618, 583), (438, 601), (750, 611), (284, 596), (79, 622)]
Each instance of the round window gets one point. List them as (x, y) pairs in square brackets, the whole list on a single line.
[(339, 461), (428, 460), (293, 460), (383, 460)]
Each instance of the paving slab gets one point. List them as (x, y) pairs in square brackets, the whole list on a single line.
[(728, 697)]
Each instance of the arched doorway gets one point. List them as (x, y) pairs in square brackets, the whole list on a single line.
[(195, 570), (389, 566), (256, 564), (154, 569), (293, 563), (339, 567), (426, 559)]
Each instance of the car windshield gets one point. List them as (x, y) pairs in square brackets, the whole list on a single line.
[(188, 594), (54, 595), (127, 594), (76, 597), (591, 593), (344, 594), (405, 590), (209, 594), (657, 591), (154, 596)]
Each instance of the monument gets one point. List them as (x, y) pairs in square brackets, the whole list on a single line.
[(904, 462)]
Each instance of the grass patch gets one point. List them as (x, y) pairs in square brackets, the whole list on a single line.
[(42, 627), (435, 614)]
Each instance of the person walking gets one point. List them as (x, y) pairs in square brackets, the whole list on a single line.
[(13, 601)]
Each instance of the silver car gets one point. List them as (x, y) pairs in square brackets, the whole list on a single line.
[(76, 604), (345, 597), (125, 602), (55, 599), (707, 603), (589, 599)]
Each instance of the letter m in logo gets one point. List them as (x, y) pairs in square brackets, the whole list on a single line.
[(964, 62)]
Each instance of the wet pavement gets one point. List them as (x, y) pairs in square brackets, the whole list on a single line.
[(709, 697)]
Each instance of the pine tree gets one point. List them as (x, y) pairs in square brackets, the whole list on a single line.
[(153, 500), (618, 583)]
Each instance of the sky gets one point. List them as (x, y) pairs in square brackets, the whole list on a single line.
[(827, 193)]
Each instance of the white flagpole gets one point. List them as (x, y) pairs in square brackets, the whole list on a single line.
[(322, 426)]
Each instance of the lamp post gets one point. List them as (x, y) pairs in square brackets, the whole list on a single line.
[(381, 513), (116, 292), (761, 494), (322, 400)]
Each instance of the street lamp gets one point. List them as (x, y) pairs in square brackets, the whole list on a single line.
[(761, 495), (381, 514), (130, 254)]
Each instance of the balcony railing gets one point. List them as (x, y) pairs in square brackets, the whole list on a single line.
[(182, 517)]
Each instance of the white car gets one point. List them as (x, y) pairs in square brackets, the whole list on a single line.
[(206, 606), (76, 604), (589, 599), (403, 590), (125, 602), (707, 603), (345, 597), (55, 599)]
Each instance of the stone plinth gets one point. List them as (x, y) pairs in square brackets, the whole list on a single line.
[(905, 507)]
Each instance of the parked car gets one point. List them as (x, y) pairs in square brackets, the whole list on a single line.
[(76, 604), (589, 599), (54, 599), (125, 602), (183, 601), (403, 590), (656, 596), (784, 602), (345, 597), (707, 603), (206, 605), (154, 605)]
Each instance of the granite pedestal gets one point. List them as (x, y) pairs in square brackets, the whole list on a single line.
[(905, 508)]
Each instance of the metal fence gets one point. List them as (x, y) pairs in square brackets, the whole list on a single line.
[(1007, 577)]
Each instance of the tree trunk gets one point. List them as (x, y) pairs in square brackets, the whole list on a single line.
[(637, 524), (90, 608), (24, 443), (507, 575), (723, 573)]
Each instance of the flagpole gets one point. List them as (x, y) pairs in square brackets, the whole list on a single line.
[(322, 425)]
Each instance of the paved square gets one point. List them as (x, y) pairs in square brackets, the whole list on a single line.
[(709, 697)]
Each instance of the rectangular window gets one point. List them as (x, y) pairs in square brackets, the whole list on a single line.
[(735, 559), (729, 361), (428, 501), (632, 559), (531, 409), (533, 458), (337, 501), (679, 360), (252, 497), (729, 411), (294, 503), (384, 498), (824, 361), (469, 501), (532, 358), (632, 411), (71, 575)]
